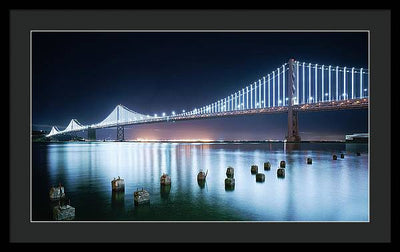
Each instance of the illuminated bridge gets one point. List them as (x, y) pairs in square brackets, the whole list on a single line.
[(291, 88)]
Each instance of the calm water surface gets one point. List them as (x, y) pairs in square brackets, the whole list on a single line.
[(327, 190)]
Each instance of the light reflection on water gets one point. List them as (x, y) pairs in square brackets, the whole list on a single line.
[(327, 190)]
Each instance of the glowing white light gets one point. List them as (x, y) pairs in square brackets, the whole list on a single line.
[(311, 98), (155, 115), (326, 94), (163, 114), (183, 111), (173, 112), (365, 89)]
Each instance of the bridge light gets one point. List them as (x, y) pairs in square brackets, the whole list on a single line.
[(173, 112), (365, 89), (326, 94), (183, 111), (155, 115)]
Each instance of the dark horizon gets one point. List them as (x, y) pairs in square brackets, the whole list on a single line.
[(85, 75)]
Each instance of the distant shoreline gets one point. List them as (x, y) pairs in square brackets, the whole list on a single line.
[(210, 142)]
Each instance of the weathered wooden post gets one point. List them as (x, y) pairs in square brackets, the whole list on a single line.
[(230, 172), (260, 177), (165, 180), (281, 172), (254, 169), (57, 193), (267, 166), (63, 212), (141, 197), (201, 176), (230, 181), (309, 160), (118, 184), (282, 164)]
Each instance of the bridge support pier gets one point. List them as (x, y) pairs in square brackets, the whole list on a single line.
[(91, 134), (120, 133), (293, 117), (293, 126)]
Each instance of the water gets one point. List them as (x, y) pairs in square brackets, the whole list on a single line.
[(327, 190)]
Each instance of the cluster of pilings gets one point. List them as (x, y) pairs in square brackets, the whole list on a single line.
[(335, 157), (139, 196), (142, 196), (62, 210)]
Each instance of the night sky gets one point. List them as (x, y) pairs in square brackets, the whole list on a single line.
[(85, 75)]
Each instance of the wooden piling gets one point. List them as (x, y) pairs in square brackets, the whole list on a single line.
[(260, 177), (230, 172), (254, 169), (280, 172), (165, 179)]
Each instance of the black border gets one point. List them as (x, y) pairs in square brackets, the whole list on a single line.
[(377, 21)]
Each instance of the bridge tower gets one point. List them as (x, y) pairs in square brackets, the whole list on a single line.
[(293, 117), (91, 134), (120, 129), (120, 133)]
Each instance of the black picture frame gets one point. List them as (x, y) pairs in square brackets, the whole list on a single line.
[(377, 22)]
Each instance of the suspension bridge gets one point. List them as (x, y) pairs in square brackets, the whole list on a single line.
[(291, 88)]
